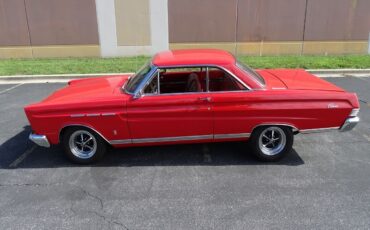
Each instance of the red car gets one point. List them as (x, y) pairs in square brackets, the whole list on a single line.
[(191, 96)]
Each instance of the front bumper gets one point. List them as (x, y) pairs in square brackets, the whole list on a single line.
[(349, 124), (40, 140)]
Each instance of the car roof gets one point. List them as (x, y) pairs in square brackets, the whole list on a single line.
[(193, 57)]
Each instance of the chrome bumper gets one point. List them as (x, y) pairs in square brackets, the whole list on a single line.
[(40, 140), (349, 124)]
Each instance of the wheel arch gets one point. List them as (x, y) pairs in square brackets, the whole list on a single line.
[(65, 127), (294, 129)]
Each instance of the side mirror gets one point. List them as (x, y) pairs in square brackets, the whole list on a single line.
[(137, 95)]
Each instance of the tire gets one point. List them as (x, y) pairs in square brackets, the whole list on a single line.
[(271, 143), (83, 146)]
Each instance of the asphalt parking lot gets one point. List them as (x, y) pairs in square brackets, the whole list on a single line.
[(323, 184)]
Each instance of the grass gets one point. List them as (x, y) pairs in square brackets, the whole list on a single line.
[(131, 64)]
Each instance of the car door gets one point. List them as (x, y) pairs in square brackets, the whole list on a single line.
[(169, 117), (230, 105)]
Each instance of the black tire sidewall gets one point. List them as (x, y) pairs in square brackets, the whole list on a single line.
[(100, 151), (258, 152)]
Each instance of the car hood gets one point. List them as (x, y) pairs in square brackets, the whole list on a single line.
[(297, 79), (91, 89)]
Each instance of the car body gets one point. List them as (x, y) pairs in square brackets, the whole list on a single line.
[(192, 96)]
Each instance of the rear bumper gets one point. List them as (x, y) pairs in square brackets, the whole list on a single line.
[(40, 140), (349, 124)]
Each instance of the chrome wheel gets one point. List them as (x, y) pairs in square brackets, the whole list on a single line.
[(272, 141), (82, 144)]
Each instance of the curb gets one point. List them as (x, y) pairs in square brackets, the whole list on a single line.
[(339, 71), (62, 78)]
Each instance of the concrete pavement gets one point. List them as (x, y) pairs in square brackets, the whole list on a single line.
[(323, 184)]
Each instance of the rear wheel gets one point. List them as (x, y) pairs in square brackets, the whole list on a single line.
[(83, 146), (271, 143)]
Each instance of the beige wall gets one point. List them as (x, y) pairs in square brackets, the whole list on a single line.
[(132, 22)]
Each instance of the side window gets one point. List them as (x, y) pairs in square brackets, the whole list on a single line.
[(220, 80), (178, 80), (191, 79), (152, 87)]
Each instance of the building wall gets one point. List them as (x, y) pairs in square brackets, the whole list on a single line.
[(44, 28), (271, 27), (107, 28)]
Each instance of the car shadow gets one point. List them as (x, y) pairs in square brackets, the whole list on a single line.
[(212, 154)]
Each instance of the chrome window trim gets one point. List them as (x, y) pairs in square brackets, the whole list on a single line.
[(207, 79), (155, 69), (210, 65), (263, 85), (190, 93), (148, 76)]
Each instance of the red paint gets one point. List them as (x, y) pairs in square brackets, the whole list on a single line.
[(291, 97)]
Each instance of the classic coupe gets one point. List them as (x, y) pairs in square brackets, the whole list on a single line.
[(191, 96)]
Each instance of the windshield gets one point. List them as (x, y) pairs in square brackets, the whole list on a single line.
[(251, 72), (135, 80)]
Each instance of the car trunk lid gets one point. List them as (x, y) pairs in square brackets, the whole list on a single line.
[(297, 79)]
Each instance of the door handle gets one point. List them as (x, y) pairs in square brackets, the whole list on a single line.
[(206, 99)]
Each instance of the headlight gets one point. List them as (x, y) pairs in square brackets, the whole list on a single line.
[(354, 112)]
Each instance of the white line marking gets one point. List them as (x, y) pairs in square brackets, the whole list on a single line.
[(366, 137), (6, 90), (22, 157)]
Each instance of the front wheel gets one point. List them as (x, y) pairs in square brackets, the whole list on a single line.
[(83, 146), (271, 143)]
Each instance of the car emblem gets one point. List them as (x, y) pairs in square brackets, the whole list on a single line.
[(332, 106)]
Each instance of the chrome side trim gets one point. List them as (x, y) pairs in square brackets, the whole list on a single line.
[(349, 124), (108, 114), (295, 129), (77, 115), (40, 140), (93, 115), (171, 139), (232, 135), (120, 142), (180, 138), (319, 130), (161, 139)]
